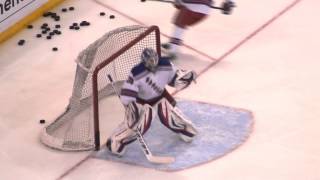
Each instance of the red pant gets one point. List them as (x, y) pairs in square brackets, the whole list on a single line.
[(184, 17)]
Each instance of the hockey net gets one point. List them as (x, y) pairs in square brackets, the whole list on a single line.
[(77, 128)]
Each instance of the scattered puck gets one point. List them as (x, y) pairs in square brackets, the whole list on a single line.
[(56, 31), (21, 42), (44, 26), (55, 49), (74, 24), (71, 8), (46, 14), (52, 33), (48, 37), (44, 32), (71, 27), (29, 26), (76, 27), (111, 16), (64, 9), (102, 13), (42, 121), (57, 26), (57, 18), (84, 23), (39, 35)]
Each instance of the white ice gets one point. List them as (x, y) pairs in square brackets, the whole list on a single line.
[(268, 63)]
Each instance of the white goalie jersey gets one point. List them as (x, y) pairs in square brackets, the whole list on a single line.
[(147, 86), (144, 96)]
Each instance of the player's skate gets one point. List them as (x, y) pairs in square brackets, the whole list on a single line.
[(167, 52)]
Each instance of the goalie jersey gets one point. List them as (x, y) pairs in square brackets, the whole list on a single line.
[(146, 86)]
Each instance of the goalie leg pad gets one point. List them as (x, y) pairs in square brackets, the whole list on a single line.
[(146, 118), (132, 114), (120, 138), (175, 121), (126, 131)]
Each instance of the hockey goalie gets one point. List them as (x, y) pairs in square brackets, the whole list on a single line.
[(144, 97)]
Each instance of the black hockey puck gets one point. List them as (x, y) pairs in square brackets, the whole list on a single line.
[(76, 27), (56, 31), (71, 8), (42, 121), (44, 26), (29, 26), (39, 35), (64, 9), (53, 14), (21, 42), (52, 33), (71, 27), (102, 13), (49, 37), (54, 49), (57, 26), (74, 24), (46, 14), (111, 16), (84, 23)]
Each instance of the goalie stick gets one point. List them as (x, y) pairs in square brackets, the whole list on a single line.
[(152, 158)]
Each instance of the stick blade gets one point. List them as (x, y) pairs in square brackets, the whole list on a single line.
[(161, 159)]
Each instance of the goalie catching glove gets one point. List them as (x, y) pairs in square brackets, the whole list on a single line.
[(183, 79)]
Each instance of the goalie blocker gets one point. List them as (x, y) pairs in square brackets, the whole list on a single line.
[(144, 96)]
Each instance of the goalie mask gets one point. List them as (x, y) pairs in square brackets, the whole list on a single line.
[(150, 59)]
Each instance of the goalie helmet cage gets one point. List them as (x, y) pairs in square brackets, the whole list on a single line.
[(115, 53)]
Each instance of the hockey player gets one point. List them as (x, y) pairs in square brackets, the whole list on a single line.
[(144, 96), (189, 13)]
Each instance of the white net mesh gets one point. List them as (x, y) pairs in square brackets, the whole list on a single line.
[(74, 129)]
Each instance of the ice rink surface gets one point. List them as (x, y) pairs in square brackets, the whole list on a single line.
[(264, 58)]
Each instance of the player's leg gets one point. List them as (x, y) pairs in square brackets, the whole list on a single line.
[(183, 19), (173, 118), (137, 116)]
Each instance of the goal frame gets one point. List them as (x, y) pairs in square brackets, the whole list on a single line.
[(95, 91)]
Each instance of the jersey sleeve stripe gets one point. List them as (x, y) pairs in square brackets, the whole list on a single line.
[(129, 93)]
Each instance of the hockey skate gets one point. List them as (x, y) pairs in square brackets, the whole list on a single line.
[(167, 52)]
